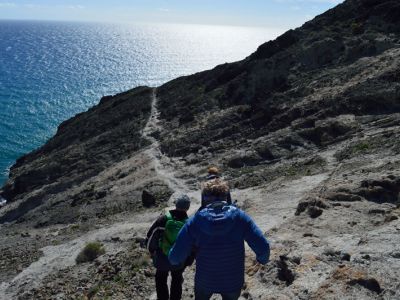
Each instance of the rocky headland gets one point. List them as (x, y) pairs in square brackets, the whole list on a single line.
[(306, 130)]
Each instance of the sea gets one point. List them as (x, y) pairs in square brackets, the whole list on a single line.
[(50, 71)]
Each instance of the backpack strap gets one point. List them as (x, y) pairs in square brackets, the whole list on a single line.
[(169, 216)]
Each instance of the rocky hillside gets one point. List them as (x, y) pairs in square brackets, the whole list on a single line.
[(306, 130)]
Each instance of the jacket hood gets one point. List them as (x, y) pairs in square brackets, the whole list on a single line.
[(217, 219)]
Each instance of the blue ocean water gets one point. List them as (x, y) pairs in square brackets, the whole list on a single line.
[(49, 71)]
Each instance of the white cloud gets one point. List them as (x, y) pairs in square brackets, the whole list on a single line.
[(164, 9)]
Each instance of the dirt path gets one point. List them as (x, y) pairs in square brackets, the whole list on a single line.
[(163, 165), (164, 169), (61, 256)]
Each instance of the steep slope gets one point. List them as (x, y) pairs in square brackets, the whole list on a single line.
[(307, 130), (83, 147), (306, 75)]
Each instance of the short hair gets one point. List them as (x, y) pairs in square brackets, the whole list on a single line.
[(213, 170), (215, 187)]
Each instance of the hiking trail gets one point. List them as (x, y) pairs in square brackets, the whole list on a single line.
[(61, 256), (163, 165)]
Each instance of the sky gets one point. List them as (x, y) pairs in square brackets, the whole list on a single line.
[(261, 13)]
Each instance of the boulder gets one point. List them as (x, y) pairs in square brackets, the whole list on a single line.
[(313, 206), (155, 193), (342, 197), (369, 283), (148, 199), (241, 160)]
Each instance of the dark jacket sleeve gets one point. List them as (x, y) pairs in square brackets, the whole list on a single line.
[(256, 240), (183, 245), (154, 234)]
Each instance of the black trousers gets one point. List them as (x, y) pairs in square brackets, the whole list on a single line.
[(162, 285)]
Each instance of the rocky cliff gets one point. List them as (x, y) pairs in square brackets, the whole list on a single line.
[(306, 130)]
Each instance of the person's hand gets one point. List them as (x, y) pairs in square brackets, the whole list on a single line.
[(254, 268)]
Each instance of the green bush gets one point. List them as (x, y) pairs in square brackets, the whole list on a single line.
[(90, 252), (361, 147)]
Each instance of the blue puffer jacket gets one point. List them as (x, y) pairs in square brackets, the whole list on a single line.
[(218, 232)]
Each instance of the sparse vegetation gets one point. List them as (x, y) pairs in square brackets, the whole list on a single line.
[(90, 252), (361, 147), (74, 227), (355, 149), (140, 263), (93, 291)]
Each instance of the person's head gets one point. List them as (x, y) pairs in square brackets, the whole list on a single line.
[(182, 202), (215, 190), (213, 170)]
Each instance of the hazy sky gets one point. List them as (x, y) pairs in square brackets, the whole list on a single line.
[(266, 13)]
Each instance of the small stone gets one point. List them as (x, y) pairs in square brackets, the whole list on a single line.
[(345, 256), (366, 256), (116, 239), (148, 199), (376, 211), (391, 218), (395, 254), (314, 212)]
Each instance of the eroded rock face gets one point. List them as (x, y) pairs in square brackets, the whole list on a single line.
[(84, 145), (59, 173)]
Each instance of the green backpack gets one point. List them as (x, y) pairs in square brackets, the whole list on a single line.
[(172, 228)]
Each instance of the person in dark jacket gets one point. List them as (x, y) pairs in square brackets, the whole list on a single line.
[(213, 177), (218, 232), (161, 262)]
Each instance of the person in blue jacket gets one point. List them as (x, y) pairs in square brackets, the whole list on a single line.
[(218, 232)]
